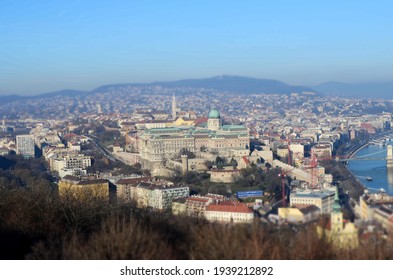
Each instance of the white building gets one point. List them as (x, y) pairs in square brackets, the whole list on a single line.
[(71, 164), (162, 197), (25, 145), (229, 212), (146, 193)]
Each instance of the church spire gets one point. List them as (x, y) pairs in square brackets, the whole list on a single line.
[(336, 205), (173, 107)]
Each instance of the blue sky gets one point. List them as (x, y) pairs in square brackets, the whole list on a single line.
[(52, 45)]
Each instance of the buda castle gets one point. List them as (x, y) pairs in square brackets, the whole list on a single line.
[(158, 146)]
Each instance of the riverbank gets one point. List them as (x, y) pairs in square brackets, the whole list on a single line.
[(378, 137), (375, 171)]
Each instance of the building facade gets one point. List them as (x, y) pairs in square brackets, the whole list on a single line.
[(158, 145), (25, 145), (71, 164), (340, 233), (74, 187), (229, 212), (147, 193), (324, 200)]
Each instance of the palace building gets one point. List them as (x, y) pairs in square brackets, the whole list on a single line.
[(158, 145)]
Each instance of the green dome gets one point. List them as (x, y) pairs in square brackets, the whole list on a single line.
[(336, 207), (214, 114)]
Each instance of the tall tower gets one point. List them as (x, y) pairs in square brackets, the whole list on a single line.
[(389, 157), (336, 217), (214, 120), (173, 107)]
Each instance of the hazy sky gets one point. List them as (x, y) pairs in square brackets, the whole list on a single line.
[(52, 45)]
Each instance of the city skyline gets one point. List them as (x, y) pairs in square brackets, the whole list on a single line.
[(49, 46)]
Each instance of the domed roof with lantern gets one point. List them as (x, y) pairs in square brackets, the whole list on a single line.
[(214, 114)]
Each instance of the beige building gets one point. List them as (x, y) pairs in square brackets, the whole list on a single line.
[(123, 187), (196, 205), (378, 207), (266, 155), (282, 151), (297, 150), (299, 213), (158, 145), (151, 124), (181, 121), (224, 176), (322, 151), (71, 186)]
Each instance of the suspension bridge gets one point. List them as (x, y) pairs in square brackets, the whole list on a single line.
[(373, 156)]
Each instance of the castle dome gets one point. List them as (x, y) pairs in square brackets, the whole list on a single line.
[(214, 114)]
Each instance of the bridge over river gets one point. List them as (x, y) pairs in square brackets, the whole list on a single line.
[(372, 156)]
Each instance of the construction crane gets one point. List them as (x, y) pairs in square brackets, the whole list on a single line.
[(284, 175), (313, 170)]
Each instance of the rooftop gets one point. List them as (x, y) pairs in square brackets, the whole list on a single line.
[(132, 180), (230, 206), (314, 194)]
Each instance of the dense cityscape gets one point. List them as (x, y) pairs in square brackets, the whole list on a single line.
[(276, 161)]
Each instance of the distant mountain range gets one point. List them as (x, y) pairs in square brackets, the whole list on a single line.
[(382, 90), (236, 84), (65, 92), (240, 85)]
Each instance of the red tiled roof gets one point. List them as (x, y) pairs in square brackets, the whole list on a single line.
[(215, 196), (199, 199), (245, 159), (200, 120), (92, 182), (70, 135), (152, 121), (229, 206)]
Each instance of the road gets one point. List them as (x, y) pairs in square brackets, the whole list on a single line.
[(101, 149)]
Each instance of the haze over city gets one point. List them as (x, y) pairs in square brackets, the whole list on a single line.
[(54, 45)]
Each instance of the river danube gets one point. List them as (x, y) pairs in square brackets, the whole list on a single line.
[(374, 169)]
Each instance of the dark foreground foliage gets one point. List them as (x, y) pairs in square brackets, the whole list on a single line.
[(36, 224)]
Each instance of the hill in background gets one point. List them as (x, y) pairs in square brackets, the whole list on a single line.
[(235, 84)]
